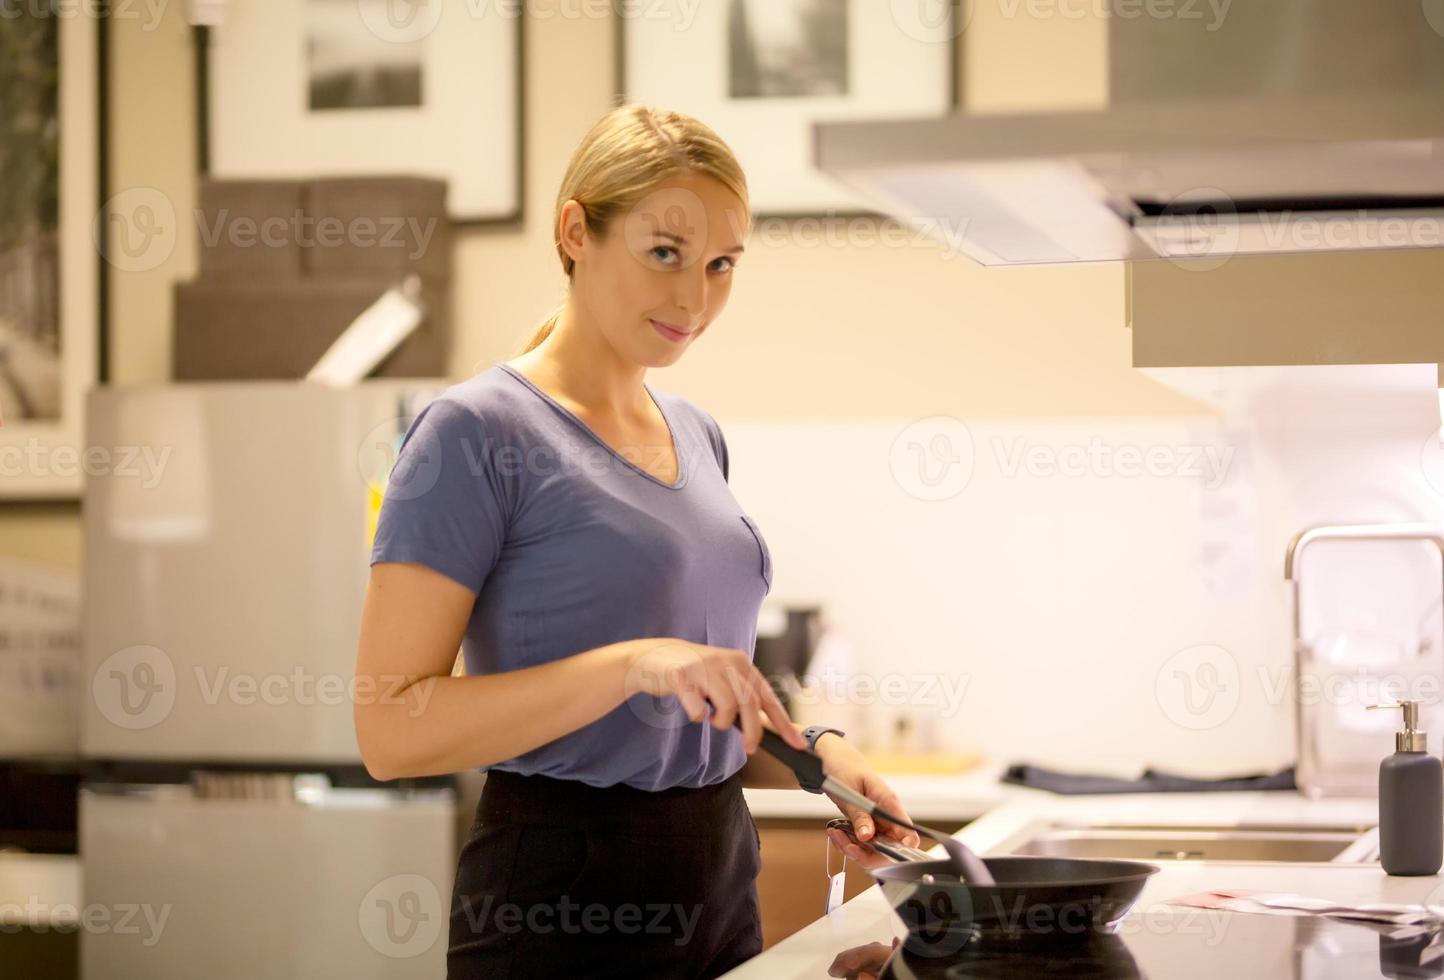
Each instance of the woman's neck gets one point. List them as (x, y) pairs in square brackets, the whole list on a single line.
[(579, 364)]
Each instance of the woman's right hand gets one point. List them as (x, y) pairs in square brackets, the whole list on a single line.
[(726, 679)]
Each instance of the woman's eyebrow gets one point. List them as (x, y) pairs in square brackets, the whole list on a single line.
[(734, 250)]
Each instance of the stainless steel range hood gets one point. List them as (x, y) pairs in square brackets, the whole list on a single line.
[(1294, 126)]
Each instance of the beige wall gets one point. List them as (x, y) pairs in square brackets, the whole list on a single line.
[(45, 534), (910, 331)]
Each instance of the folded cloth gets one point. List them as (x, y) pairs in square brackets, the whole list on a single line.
[(1152, 781), (1396, 921)]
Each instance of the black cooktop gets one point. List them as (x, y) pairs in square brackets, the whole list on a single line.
[(1206, 944)]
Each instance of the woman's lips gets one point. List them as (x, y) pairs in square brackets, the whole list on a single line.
[(670, 332)]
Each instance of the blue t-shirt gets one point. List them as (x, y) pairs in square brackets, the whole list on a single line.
[(568, 545)]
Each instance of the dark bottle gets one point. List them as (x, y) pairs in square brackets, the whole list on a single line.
[(1411, 802)]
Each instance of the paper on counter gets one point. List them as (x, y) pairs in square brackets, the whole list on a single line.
[(1400, 921)]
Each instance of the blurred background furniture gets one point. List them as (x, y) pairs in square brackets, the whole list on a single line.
[(286, 266)]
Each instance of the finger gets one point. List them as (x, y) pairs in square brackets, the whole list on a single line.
[(845, 847), (861, 822), (751, 727), (742, 684), (864, 958), (867, 859), (882, 794), (778, 714), (842, 965), (903, 835), (677, 677), (724, 705), (693, 703), (862, 825)]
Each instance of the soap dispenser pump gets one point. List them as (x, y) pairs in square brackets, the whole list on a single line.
[(1411, 801)]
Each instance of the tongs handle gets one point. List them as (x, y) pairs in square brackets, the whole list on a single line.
[(810, 776), (806, 765)]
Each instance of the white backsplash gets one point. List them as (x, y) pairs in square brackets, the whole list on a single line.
[(1095, 613)]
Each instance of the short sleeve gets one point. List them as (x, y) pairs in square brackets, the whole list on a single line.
[(719, 444), (445, 502)]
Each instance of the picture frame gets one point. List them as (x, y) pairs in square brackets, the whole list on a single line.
[(768, 79), (52, 286), (436, 91)]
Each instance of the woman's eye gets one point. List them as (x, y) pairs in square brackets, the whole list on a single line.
[(656, 250)]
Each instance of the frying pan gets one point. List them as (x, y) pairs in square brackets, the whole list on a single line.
[(1018, 900), (1032, 900)]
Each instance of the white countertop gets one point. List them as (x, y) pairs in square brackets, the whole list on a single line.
[(965, 796), (1018, 812)]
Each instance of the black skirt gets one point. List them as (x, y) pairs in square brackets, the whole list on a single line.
[(558, 878)]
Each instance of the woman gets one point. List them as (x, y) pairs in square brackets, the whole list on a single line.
[(573, 531)]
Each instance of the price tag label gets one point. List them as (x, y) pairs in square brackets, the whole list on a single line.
[(834, 889)]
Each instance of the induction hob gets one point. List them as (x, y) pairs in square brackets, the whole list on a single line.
[(1210, 945)]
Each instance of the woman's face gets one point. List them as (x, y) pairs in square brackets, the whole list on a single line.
[(664, 271)]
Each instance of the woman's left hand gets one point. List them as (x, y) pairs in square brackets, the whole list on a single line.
[(843, 762)]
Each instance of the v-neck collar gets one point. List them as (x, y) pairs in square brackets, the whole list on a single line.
[(671, 430)]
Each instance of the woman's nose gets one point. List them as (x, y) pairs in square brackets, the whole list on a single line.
[(692, 290)]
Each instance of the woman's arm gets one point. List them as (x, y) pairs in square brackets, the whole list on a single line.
[(414, 719)]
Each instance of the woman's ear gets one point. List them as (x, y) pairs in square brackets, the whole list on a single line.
[(573, 229)]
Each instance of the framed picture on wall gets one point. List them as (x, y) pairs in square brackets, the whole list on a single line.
[(761, 72), (50, 267), (319, 88)]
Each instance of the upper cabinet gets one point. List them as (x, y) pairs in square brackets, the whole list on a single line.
[(1370, 308)]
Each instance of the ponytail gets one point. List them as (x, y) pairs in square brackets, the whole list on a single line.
[(544, 330)]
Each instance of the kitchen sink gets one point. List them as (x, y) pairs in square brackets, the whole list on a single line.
[(1332, 844)]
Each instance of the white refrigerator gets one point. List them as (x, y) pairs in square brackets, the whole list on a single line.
[(227, 825)]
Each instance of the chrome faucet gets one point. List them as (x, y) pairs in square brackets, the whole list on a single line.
[(1339, 532)]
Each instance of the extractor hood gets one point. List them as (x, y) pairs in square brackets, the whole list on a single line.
[(1295, 126)]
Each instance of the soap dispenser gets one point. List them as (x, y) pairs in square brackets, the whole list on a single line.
[(1411, 802)]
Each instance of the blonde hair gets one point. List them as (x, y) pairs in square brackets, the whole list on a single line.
[(630, 151)]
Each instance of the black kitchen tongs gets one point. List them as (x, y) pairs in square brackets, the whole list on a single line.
[(808, 768)]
